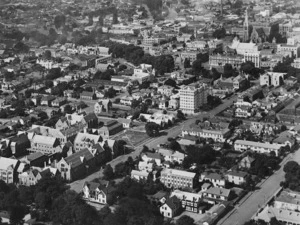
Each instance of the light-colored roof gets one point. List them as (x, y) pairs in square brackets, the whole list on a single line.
[(139, 173), (258, 144), (285, 215), (7, 162), (186, 195), (44, 140), (165, 152), (178, 173), (86, 137)]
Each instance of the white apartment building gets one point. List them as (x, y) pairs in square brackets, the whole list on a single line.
[(253, 57), (243, 145), (192, 97), (217, 135), (177, 178)]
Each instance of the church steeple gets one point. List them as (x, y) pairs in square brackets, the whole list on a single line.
[(246, 27)]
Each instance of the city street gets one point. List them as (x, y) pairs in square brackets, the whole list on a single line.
[(268, 188), (153, 142)]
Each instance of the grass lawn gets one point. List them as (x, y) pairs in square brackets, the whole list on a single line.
[(132, 137)]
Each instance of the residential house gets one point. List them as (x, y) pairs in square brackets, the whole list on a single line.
[(165, 90), (36, 159), (171, 207), (152, 157), (216, 179), (109, 128), (45, 144), (36, 100), (69, 93), (97, 192), (159, 197), (86, 95), (139, 175), (19, 144), (126, 100), (216, 195), (247, 162), (236, 177), (9, 170), (177, 178), (145, 166), (31, 177), (77, 165), (47, 100), (59, 102), (266, 148), (213, 214), (189, 201), (86, 140), (172, 156), (288, 199), (103, 105), (127, 123), (285, 138)]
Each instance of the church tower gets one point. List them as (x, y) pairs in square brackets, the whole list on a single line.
[(246, 27)]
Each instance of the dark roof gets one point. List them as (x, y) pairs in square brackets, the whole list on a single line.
[(34, 156), (87, 93), (75, 159), (173, 202), (104, 186), (90, 116)]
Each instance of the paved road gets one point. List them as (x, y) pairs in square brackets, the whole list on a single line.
[(248, 208), (152, 143)]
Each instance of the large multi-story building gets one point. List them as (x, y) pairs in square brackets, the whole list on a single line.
[(253, 57), (243, 145), (296, 63), (177, 178), (221, 60), (192, 97)]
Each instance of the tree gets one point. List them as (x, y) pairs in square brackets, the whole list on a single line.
[(187, 63), (219, 33), (171, 83), (291, 167), (20, 47), (185, 220), (16, 214), (108, 172), (197, 65), (59, 21), (47, 54), (180, 115), (152, 129)]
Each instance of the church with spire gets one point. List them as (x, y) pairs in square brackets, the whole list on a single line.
[(246, 27)]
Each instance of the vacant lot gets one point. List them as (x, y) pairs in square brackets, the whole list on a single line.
[(134, 138)]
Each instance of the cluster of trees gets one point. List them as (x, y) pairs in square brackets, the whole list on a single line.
[(249, 68), (264, 165), (273, 221), (152, 129), (135, 54), (121, 169), (292, 176), (219, 33), (286, 67), (199, 155)]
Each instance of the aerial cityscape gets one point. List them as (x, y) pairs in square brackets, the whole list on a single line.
[(150, 112)]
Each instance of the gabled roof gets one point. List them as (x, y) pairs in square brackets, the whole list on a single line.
[(7, 162), (34, 156), (44, 140), (218, 191), (173, 203), (77, 158)]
